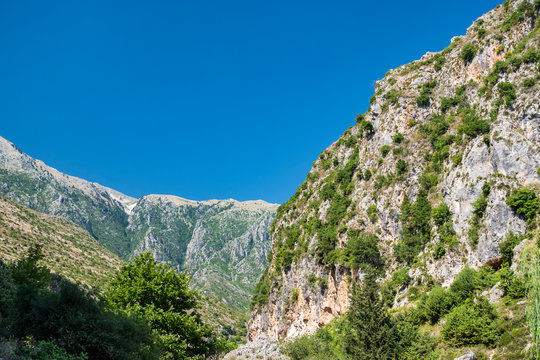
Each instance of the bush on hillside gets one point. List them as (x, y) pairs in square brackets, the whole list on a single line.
[(472, 323)]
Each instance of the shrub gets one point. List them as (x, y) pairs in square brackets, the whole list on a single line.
[(506, 248), (467, 53), (400, 279), (424, 98), (436, 304), (464, 284), (385, 149), (362, 250), (392, 96), (472, 323), (398, 138), (525, 203), (401, 167), (439, 63), (428, 181), (441, 214), (529, 82), (508, 92), (456, 159), (472, 125), (45, 350), (367, 174), (439, 251), (372, 213), (415, 218)]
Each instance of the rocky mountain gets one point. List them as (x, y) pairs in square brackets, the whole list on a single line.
[(103, 212), (224, 244), (426, 174)]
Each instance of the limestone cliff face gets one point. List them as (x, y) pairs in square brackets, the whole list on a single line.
[(448, 123)]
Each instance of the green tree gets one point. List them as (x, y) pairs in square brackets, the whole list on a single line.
[(156, 294), (371, 332)]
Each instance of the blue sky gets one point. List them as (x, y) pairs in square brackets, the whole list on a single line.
[(202, 99)]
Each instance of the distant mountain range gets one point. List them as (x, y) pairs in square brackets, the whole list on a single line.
[(224, 244)]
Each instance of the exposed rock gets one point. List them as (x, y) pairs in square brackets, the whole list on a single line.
[(494, 294), (469, 356), (261, 348)]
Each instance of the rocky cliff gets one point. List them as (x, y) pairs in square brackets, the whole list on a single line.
[(426, 171), (224, 244)]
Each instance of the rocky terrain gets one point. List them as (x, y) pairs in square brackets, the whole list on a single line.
[(224, 244), (427, 171)]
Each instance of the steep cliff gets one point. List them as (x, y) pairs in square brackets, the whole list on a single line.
[(224, 244), (426, 171)]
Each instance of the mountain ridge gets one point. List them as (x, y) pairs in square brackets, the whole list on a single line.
[(162, 224)]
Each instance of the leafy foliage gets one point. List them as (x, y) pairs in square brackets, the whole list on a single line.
[(53, 310), (471, 323), (525, 203), (467, 53), (160, 297), (415, 219), (362, 251), (424, 98)]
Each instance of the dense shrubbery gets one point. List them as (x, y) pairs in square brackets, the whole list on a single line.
[(507, 92), (424, 98), (415, 219), (362, 251), (471, 323), (472, 125), (525, 203), (468, 52), (56, 311), (506, 248), (66, 322)]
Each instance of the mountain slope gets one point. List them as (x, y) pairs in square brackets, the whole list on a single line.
[(103, 212), (224, 244), (68, 249), (427, 172)]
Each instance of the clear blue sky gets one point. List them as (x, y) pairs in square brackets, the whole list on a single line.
[(202, 99)]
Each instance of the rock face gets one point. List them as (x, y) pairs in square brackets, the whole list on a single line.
[(262, 348), (224, 244), (438, 129)]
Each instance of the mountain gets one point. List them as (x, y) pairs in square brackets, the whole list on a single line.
[(224, 244), (72, 252), (429, 172)]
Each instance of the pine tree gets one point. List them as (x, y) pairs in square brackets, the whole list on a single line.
[(372, 334)]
